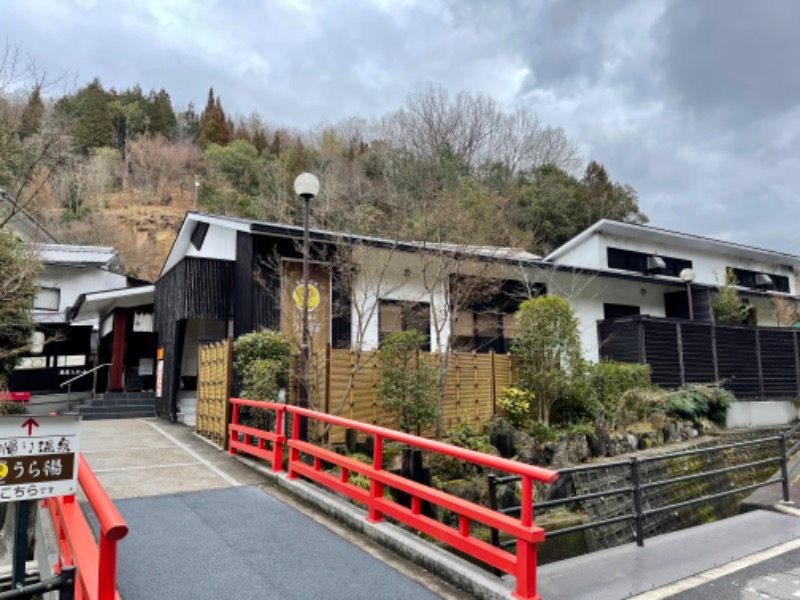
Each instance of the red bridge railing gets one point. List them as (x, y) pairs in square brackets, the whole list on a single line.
[(96, 566), (269, 445)]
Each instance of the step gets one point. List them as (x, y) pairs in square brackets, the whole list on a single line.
[(120, 402), (128, 395), (115, 409), (126, 415)]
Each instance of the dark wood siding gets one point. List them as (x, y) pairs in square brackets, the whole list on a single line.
[(619, 340), (698, 353), (778, 363), (195, 288), (752, 362), (661, 352), (257, 286)]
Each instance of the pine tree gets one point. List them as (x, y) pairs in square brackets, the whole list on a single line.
[(33, 114), (260, 141), (275, 148), (213, 124), (188, 126), (158, 109), (95, 126)]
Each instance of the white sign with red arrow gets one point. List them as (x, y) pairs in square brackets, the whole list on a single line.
[(38, 457)]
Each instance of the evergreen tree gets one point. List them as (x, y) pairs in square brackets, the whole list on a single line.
[(260, 141), (275, 148), (33, 114), (213, 123), (161, 117), (94, 127), (188, 125)]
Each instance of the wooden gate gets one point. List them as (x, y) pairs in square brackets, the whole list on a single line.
[(213, 390)]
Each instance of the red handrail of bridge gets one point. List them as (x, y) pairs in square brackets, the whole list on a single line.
[(521, 565), (96, 566)]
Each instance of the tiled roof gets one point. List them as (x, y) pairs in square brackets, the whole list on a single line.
[(65, 254)]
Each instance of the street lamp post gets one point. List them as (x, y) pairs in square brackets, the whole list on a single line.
[(687, 276), (306, 186), (196, 191)]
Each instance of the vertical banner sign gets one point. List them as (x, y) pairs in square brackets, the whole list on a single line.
[(319, 305), (159, 372), (38, 457)]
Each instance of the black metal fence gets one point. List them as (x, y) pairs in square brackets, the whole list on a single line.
[(752, 362), (641, 504)]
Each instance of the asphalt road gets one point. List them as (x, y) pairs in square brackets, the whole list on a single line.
[(242, 543)]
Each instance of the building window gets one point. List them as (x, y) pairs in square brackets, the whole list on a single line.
[(76, 360), (628, 260), (398, 315), (47, 299), (745, 278), (485, 321)]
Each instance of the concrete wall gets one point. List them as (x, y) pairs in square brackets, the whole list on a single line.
[(219, 243), (760, 414)]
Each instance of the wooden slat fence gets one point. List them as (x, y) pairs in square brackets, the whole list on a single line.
[(752, 362), (213, 390), (346, 382)]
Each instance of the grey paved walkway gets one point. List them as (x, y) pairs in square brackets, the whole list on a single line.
[(206, 526), (201, 528)]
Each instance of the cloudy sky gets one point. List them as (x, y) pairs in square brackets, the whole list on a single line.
[(696, 104)]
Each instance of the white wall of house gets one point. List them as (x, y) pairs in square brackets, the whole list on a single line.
[(591, 254), (393, 275), (71, 283), (219, 243), (587, 294), (708, 264)]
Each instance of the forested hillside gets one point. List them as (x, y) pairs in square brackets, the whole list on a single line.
[(118, 167)]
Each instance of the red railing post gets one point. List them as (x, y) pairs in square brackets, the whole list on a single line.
[(376, 487), (294, 453), (526, 551), (277, 446), (234, 436), (107, 569)]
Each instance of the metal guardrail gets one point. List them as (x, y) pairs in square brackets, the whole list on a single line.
[(69, 382), (64, 583), (637, 490), (526, 535)]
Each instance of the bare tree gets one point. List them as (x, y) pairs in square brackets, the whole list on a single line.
[(476, 129)]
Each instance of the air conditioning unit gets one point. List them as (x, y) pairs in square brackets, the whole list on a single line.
[(655, 263), (764, 281)]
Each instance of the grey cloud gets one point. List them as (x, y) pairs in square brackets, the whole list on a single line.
[(727, 58)]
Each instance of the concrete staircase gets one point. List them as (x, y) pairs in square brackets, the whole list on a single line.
[(118, 405)]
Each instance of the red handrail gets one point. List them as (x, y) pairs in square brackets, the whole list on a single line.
[(96, 567), (522, 565)]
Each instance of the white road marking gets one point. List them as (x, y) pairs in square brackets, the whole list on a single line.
[(713, 574), (195, 455), (147, 467), (126, 449)]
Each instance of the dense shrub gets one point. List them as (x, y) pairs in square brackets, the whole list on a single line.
[(262, 360), (406, 383), (515, 404), (697, 401), (610, 381)]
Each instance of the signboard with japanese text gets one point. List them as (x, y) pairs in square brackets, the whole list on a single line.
[(38, 457)]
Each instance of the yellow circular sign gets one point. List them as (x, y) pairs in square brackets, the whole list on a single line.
[(3, 470), (313, 296)]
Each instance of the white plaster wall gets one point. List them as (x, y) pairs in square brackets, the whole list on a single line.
[(73, 282), (760, 414), (709, 267), (195, 331), (220, 243), (587, 294), (587, 255), (388, 275)]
